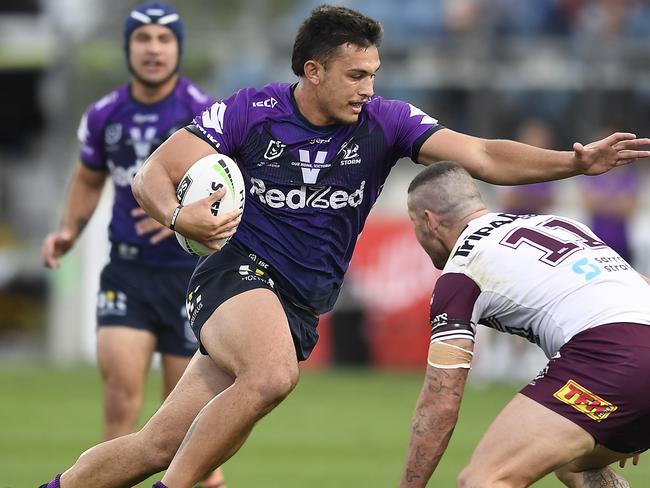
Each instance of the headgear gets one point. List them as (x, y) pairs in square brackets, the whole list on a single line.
[(154, 13)]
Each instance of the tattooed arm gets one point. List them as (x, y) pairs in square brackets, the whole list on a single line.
[(603, 478), (434, 420), (83, 195)]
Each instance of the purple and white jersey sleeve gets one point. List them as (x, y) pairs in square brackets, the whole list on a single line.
[(91, 132), (406, 126), (452, 307), (224, 123)]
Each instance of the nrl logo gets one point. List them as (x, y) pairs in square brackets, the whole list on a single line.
[(274, 150), (113, 134)]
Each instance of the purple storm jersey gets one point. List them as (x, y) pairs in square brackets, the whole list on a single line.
[(117, 134), (309, 188)]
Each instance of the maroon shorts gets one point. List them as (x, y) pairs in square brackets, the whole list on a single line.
[(601, 382)]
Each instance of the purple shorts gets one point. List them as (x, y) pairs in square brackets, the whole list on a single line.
[(601, 382)]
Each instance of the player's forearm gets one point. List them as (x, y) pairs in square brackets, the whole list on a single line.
[(509, 162), (155, 192), (432, 425), (83, 196)]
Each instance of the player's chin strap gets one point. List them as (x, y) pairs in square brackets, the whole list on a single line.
[(449, 356)]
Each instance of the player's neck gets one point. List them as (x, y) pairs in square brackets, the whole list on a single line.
[(308, 105), (450, 237), (148, 94)]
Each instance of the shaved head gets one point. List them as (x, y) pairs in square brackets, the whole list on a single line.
[(447, 190), (441, 200)]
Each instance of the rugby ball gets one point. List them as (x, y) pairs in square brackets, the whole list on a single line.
[(203, 178)]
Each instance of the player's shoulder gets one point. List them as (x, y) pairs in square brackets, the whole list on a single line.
[(192, 94), (274, 97), (384, 109), (479, 237), (110, 101), (99, 112)]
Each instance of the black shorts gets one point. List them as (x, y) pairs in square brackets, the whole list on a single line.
[(601, 382), (147, 298), (232, 271)]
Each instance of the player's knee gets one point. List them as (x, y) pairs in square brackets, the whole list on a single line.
[(122, 400), (273, 385)]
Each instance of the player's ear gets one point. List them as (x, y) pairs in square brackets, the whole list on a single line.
[(313, 70), (432, 220)]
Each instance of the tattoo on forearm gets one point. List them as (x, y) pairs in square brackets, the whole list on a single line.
[(603, 478), (431, 427), (412, 476)]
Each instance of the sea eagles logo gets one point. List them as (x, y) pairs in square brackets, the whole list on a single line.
[(274, 150), (113, 134)]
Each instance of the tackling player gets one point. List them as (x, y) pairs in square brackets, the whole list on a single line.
[(141, 300), (551, 280), (314, 155)]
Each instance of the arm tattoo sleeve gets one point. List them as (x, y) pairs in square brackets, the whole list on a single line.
[(603, 478), (433, 423)]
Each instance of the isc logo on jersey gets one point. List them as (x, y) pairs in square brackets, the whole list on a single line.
[(306, 196)]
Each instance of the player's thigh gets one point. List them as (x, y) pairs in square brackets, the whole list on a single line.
[(598, 458), (124, 353), (527, 441), (250, 331)]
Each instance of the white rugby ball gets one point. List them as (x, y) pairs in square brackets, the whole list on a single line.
[(203, 178)]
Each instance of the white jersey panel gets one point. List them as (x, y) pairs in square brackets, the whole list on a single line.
[(546, 278)]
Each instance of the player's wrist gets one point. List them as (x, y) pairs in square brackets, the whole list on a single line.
[(174, 217)]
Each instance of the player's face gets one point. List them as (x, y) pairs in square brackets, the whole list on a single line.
[(347, 83), (153, 52), (428, 238)]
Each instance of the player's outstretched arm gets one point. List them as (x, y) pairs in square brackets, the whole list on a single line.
[(436, 411), (154, 187), (507, 162), (83, 195)]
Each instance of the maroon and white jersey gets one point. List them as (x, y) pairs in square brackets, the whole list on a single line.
[(542, 277)]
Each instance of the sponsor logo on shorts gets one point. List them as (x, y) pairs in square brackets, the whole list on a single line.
[(193, 304), (249, 274), (111, 302), (584, 401)]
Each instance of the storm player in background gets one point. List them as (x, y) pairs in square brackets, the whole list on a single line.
[(551, 280), (141, 301), (314, 155)]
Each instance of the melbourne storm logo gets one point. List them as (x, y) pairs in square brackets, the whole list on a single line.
[(349, 154), (274, 149)]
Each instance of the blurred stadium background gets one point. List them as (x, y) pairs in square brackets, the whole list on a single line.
[(575, 68)]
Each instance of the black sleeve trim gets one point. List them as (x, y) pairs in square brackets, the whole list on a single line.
[(452, 326), (417, 145), (193, 128)]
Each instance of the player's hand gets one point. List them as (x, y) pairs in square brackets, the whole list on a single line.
[(197, 222), (147, 225), (55, 245), (635, 460), (615, 150)]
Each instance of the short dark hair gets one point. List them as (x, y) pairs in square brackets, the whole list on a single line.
[(326, 28), (435, 171)]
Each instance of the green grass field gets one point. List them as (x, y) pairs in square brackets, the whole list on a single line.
[(338, 429)]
